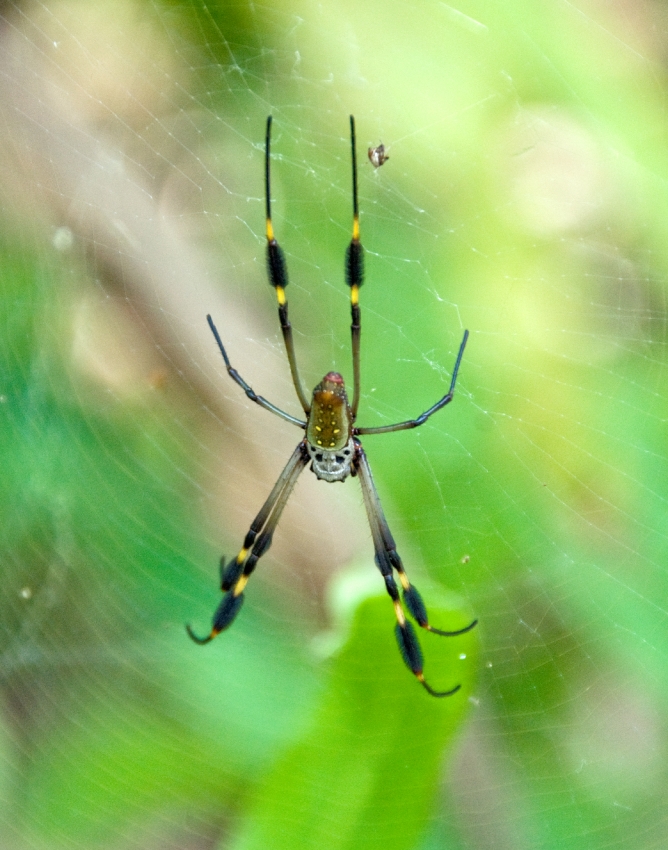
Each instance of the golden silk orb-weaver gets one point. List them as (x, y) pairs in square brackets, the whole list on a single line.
[(332, 446)]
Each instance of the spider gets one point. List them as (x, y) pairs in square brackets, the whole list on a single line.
[(332, 446)]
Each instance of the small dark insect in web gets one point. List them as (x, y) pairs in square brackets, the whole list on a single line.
[(377, 156), (332, 446)]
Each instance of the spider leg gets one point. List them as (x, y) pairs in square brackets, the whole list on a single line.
[(250, 392), (235, 574), (422, 418), (278, 278), (387, 559), (354, 278)]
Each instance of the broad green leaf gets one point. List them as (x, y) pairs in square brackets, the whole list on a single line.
[(365, 775)]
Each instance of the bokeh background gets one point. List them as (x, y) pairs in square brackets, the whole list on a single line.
[(526, 199)]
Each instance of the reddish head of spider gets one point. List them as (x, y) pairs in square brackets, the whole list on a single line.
[(330, 420)]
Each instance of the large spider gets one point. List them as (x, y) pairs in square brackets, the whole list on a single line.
[(333, 448)]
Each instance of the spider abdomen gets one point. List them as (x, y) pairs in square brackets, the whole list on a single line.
[(329, 423), (329, 430)]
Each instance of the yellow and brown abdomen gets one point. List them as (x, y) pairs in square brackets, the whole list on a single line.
[(330, 421)]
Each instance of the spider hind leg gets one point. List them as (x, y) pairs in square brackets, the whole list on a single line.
[(409, 646), (418, 611), (231, 570), (406, 637), (412, 655), (234, 575), (388, 562), (225, 614)]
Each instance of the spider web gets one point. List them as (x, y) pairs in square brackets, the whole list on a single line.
[(524, 199)]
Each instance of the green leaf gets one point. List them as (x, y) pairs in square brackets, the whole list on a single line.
[(366, 774)]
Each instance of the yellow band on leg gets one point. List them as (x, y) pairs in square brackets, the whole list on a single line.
[(239, 586)]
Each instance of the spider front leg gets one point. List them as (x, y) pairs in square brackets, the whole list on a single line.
[(387, 559), (278, 277), (235, 574)]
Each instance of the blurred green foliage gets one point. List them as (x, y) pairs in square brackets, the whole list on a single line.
[(525, 198)]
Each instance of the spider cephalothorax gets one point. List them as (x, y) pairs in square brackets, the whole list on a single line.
[(331, 443)]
